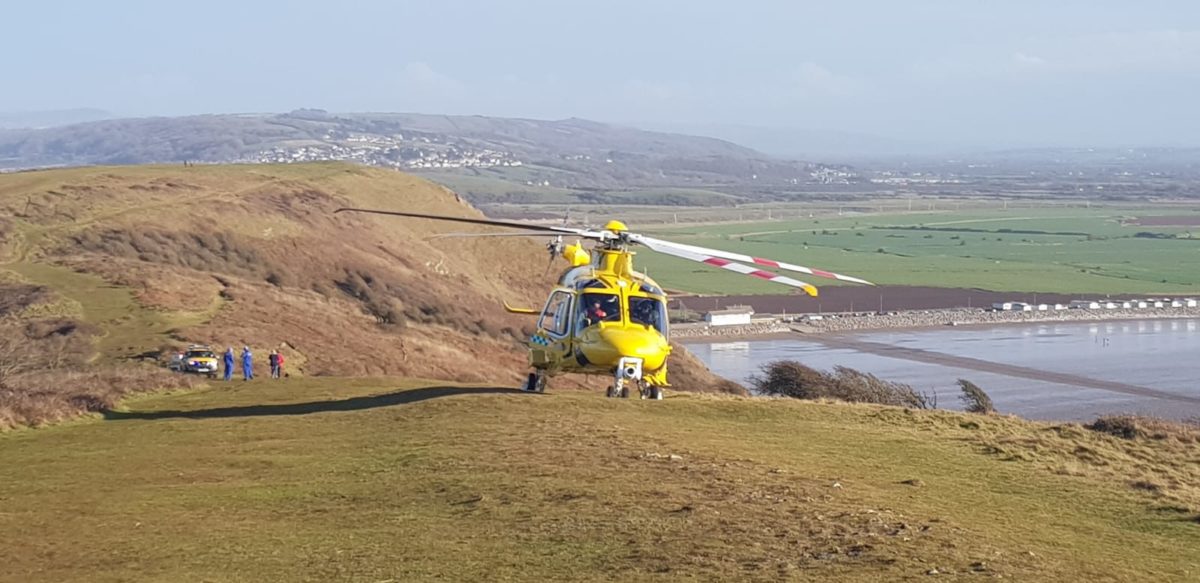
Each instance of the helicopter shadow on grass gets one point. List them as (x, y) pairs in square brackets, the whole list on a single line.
[(403, 397)]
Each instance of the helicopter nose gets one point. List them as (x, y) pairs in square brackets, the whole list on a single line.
[(646, 344)]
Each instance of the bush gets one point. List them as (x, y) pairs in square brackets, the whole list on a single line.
[(203, 251), (788, 378), (39, 398), (27, 346), (1141, 427), (974, 399)]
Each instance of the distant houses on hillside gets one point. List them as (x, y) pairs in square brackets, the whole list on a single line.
[(416, 152), (1097, 305)]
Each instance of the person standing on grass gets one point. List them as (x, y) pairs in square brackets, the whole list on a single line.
[(278, 365), (247, 364), (273, 359), (228, 361)]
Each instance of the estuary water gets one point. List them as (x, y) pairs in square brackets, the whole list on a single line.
[(1055, 370)]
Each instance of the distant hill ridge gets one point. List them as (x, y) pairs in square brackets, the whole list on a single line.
[(521, 155), (223, 138)]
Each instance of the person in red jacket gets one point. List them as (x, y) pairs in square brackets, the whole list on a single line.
[(278, 365)]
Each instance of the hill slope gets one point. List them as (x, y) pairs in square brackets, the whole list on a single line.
[(374, 480), (253, 255)]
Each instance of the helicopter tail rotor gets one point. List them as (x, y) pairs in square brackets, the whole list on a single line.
[(554, 247)]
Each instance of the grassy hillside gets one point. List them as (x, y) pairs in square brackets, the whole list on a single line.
[(1048, 250), (153, 256), (394, 480)]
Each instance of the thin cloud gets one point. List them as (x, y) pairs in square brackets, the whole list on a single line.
[(810, 79), (1111, 53), (420, 77)]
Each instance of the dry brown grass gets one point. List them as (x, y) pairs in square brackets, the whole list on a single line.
[(40, 398), (256, 254), (1158, 457)]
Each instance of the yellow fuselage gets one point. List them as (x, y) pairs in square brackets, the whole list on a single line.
[(601, 313)]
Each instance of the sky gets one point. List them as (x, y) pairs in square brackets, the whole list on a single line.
[(981, 73)]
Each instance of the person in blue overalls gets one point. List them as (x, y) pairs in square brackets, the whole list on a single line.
[(247, 363), (228, 361)]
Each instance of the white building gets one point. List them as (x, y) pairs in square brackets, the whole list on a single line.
[(731, 316), (1190, 303), (1085, 305)]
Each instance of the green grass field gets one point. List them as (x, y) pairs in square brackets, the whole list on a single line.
[(1051, 250), (127, 328), (507, 185), (391, 480)]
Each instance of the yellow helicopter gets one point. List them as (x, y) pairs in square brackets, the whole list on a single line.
[(604, 317)]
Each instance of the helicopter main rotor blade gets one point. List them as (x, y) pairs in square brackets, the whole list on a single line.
[(475, 235), (663, 246), (506, 224), (676, 251)]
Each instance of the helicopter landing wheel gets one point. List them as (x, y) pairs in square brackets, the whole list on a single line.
[(536, 383), (611, 392), (656, 393), (624, 392)]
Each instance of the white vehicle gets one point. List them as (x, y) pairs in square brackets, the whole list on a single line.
[(196, 359)]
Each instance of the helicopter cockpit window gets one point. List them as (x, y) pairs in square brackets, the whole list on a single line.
[(556, 318), (650, 288), (649, 312), (596, 308), (588, 283)]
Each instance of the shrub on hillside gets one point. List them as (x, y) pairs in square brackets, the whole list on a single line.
[(16, 297), (395, 302), (34, 399), (974, 399), (788, 378), (27, 346), (1141, 427), (216, 251)]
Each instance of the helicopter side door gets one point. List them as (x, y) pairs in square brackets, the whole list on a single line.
[(552, 342)]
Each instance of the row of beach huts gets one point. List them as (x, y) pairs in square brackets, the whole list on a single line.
[(1097, 305)]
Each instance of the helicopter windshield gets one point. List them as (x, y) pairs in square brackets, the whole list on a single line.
[(556, 317), (597, 307), (650, 312)]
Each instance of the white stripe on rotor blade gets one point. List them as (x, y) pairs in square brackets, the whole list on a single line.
[(737, 267), (660, 245)]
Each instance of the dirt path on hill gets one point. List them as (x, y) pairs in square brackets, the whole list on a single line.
[(1012, 370)]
